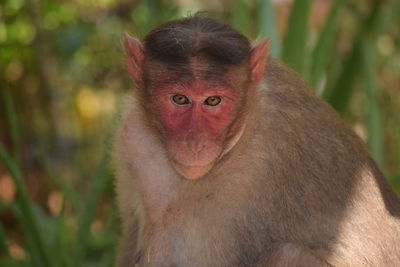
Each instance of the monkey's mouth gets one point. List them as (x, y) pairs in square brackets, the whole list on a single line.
[(193, 164)]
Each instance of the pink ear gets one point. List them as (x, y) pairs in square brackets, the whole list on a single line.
[(258, 60), (135, 58)]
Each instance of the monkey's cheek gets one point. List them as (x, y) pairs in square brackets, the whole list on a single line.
[(192, 172)]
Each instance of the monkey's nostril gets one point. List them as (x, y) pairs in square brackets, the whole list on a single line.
[(195, 147), (198, 149)]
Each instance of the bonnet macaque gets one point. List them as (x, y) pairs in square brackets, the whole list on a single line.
[(226, 158)]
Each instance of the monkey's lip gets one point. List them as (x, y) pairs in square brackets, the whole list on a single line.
[(184, 165), (194, 162), (192, 171)]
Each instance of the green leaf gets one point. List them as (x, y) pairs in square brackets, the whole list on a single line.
[(323, 48), (374, 123), (266, 22), (12, 122), (239, 15), (3, 243), (70, 193), (294, 44), (59, 245), (29, 223), (340, 93), (100, 180)]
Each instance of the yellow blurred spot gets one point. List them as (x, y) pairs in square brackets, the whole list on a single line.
[(16, 251), (385, 45), (88, 104), (14, 71), (55, 202), (7, 189), (68, 12), (22, 31), (16, 4), (26, 33), (97, 226)]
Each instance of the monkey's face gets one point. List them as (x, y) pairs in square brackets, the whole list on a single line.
[(195, 96), (195, 118)]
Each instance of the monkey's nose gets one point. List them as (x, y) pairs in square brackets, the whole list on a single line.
[(195, 146)]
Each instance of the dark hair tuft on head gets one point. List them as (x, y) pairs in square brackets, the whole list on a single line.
[(178, 40)]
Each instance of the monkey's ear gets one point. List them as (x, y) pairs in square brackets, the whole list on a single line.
[(134, 58), (258, 60)]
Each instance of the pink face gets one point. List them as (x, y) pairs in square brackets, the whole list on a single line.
[(195, 119)]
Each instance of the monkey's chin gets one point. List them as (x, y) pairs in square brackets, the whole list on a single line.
[(192, 172)]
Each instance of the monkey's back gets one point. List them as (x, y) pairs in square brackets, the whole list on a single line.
[(298, 175), (336, 199)]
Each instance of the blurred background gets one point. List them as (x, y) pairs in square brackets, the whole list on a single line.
[(62, 77)]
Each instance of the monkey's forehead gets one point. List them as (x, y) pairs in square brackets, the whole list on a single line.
[(161, 74)]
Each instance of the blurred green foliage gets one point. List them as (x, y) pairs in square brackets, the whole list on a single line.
[(62, 76)]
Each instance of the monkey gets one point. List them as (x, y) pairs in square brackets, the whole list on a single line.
[(225, 157)]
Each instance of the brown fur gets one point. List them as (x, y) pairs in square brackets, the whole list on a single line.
[(298, 175), (297, 189), (291, 255)]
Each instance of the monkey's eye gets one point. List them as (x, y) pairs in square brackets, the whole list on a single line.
[(212, 100), (180, 99)]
